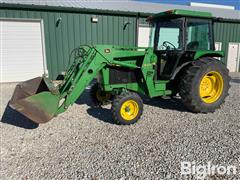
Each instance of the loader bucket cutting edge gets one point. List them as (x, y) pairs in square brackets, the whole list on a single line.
[(34, 100)]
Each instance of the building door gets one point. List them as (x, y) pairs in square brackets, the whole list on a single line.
[(143, 36), (21, 50), (233, 56)]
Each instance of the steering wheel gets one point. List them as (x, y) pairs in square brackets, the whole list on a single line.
[(165, 44)]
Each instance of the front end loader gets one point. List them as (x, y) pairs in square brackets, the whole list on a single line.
[(181, 60)]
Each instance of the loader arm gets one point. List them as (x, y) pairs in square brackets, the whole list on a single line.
[(84, 69), (38, 98), (81, 73)]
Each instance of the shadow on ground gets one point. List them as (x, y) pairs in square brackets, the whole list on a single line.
[(13, 117), (10, 116), (104, 114), (173, 103), (100, 113)]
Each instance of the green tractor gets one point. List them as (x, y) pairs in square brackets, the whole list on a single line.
[(181, 59)]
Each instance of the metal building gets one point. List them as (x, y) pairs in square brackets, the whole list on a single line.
[(38, 36)]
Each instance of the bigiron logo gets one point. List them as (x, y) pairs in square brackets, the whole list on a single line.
[(209, 169)]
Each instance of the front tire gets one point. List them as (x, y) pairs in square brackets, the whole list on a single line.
[(204, 85), (127, 108)]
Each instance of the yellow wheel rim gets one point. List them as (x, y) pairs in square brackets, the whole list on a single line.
[(211, 87), (129, 110)]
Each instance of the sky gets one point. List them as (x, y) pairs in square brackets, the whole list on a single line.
[(235, 3)]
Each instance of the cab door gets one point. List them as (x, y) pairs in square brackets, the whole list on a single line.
[(168, 46)]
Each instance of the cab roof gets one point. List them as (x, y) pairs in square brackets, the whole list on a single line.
[(181, 13)]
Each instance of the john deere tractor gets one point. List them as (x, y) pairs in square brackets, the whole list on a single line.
[(180, 59)]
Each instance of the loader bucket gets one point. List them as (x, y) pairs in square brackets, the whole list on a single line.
[(34, 100)]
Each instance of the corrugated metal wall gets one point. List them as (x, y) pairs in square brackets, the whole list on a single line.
[(76, 29), (227, 32)]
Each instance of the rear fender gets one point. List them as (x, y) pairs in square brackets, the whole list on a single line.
[(178, 69), (200, 54)]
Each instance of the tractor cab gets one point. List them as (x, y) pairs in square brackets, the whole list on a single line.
[(176, 36)]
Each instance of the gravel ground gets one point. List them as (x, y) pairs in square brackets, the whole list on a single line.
[(83, 143)]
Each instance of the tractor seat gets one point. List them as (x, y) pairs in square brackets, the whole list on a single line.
[(193, 45)]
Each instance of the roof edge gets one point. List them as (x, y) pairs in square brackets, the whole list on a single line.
[(92, 11), (70, 9)]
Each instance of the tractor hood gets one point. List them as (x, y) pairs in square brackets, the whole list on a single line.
[(113, 52)]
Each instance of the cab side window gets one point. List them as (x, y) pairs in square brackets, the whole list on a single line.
[(198, 35)]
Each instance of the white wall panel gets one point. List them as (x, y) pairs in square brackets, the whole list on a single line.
[(21, 50)]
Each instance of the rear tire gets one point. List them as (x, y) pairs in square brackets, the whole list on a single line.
[(204, 85), (127, 108)]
